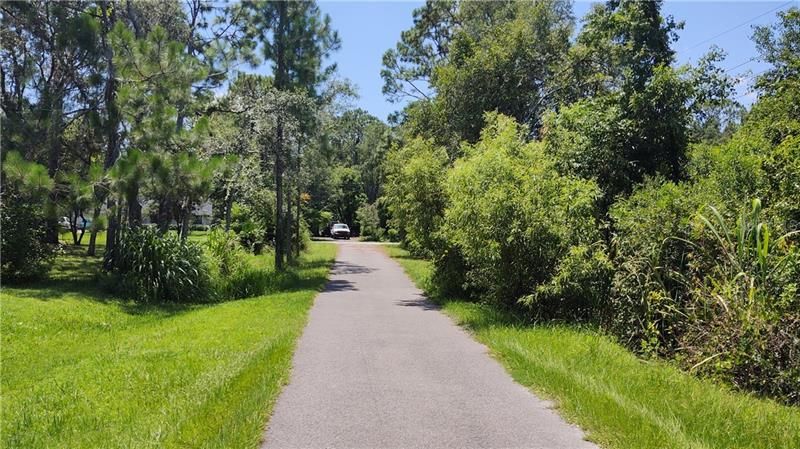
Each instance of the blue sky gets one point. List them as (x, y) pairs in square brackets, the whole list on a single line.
[(369, 28)]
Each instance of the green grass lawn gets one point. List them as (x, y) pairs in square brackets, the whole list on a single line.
[(620, 400), (65, 237), (82, 369)]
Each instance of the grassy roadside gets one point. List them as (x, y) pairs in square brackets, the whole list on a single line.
[(621, 401), (82, 369)]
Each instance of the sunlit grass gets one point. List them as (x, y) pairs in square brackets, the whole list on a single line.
[(82, 369), (620, 400)]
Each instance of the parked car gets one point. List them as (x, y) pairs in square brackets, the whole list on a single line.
[(340, 231), (84, 223)]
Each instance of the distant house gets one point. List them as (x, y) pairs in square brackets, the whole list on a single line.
[(203, 213)]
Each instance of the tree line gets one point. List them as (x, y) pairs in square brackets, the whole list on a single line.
[(580, 174), (141, 111)]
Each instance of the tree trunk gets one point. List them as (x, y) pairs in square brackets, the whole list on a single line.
[(134, 209), (111, 235), (288, 234), (186, 221), (163, 216), (111, 129), (83, 228), (297, 211), (281, 84), (279, 225), (93, 232), (73, 226), (54, 102), (228, 207)]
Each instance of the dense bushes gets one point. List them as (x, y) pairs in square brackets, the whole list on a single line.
[(23, 223), (23, 228), (370, 222), (415, 194), (651, 248), (154, 267), (606, 208), (716, 290), (523, 229), (695, 270)]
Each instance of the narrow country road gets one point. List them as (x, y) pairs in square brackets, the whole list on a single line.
[(380, 367)]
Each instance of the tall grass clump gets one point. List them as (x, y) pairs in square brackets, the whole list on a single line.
[(153, 267), (233, 277), (715, 290), (747, 284)]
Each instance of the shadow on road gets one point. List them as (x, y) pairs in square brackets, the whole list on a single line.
[(339, 285), (420, 302), (349, 268)]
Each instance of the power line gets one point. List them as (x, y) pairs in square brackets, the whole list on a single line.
[(744, 63), (740, 25)]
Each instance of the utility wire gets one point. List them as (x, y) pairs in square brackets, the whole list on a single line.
[(744, 63), (740, 25)]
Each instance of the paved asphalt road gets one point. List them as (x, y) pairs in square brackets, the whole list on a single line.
[(379, 367)]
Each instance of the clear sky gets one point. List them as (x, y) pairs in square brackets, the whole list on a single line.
[(369, 28)]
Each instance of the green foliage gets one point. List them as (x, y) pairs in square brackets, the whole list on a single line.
[(348, 195), (510, 68), (156, 77), (318, 220), (25, 254), (415, 193), (579, 287), (154, 267), (248, 225), (225, 254), (518, 222), (369, 222), (652, 230), (232, 277), (750, 281), (620, 138), (694, 282), (300, 26)]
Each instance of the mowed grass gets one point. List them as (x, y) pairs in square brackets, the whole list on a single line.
[(81, 369), (65, 237), (620, 400)]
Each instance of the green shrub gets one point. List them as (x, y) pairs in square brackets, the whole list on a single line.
[(23, 229), (715, 290), (23, 223), (252, 224), (153, 267), (415, 194), (232, 277), (746, 288), (226, 256), (517, 222), (580, 286), (252, 236), (305, 236), (449, 278), (649, 295), (370, 222)]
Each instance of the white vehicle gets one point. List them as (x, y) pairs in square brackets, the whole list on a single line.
[(340, 231)]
